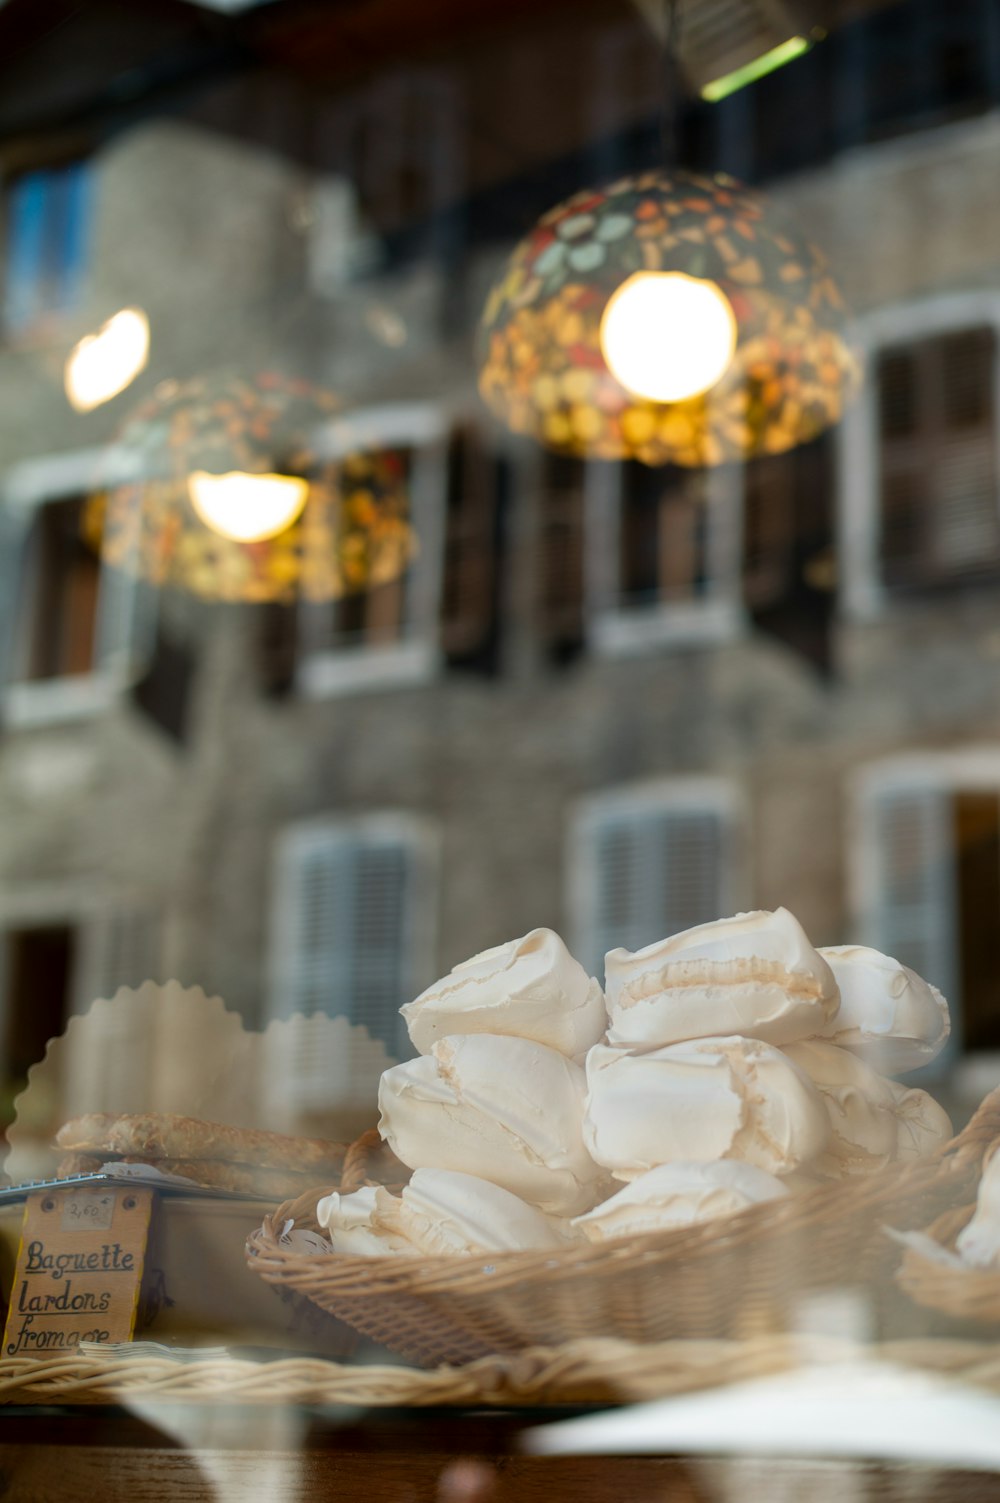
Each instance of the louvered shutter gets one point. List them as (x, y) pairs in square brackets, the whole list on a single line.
[(314, 925), (346, 939), (788, 548), (769, 529), (561, 514), (276, 646), (965, 528), (666, 516), (647, 873), (381, 941), (121, 947), (470, 582), (111, 1062), (939, 505), (910, 908)]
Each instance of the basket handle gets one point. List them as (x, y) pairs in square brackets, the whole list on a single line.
[(356, 1160), (366, 1161), (974, 1141)]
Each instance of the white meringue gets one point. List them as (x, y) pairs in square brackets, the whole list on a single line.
[(675, 1195), (351, 1223), (755, 975), (864, 1117), (979, 1242), (531, 988), (888, 1015), (503, 1109), (701, 1100), (923, 1124), (442, 1212)]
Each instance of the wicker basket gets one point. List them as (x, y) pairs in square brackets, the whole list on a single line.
[(732, 1278), (962, 1293)]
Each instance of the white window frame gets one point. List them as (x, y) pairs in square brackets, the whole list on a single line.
[(27, 487), (75, 906), (419, 834), (614, 630), (973, 769), (863, 595), (423, 427), (710, 794)]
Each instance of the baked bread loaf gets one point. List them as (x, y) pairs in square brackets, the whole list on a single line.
[(154, 1136), (269, 1184)]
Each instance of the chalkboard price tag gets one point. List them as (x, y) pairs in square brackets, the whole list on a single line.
[(79, 1268)]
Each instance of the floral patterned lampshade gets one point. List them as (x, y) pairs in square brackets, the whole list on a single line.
[(352, 533), (542, 370)]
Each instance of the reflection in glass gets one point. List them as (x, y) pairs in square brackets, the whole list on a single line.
[(321, 527), (101, 365)]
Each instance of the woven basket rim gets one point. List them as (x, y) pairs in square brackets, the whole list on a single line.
[(920, 1275), (586, 1370), (458, 1273)]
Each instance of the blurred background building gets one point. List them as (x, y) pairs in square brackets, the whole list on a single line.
[(607, 698)]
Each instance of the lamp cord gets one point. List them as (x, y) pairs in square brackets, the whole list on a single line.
[(671, 81)]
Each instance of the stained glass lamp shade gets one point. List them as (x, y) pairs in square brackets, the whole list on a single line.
[(786, 378), (193, 439)]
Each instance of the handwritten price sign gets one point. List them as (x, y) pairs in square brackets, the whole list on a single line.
[(79, 1268), (95, 1211)]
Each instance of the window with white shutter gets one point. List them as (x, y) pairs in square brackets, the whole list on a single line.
[(924, 860), (389, 631), (353, 926), (663, 555), (76, 632), (938, 480), (648, 863), (378, 616)]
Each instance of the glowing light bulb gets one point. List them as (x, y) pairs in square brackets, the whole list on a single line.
[(247, 508), (101, 365), (667, 336)]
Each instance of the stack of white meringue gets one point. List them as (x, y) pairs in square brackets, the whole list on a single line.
[(728, 1065)]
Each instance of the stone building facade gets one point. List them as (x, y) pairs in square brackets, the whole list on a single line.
[(541, 732)]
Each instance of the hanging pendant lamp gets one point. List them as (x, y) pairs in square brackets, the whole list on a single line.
[(725, 297), (669, 317), (235, 502)]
